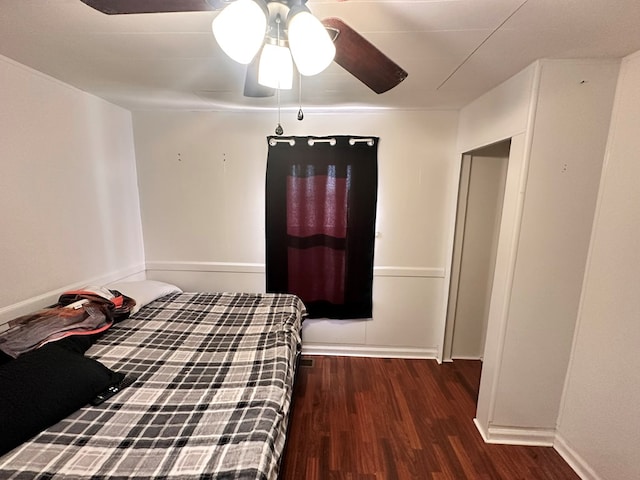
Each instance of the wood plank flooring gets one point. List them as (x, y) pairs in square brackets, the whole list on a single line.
[(395, 419)]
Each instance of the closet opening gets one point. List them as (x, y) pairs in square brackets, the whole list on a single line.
[(483, 176)]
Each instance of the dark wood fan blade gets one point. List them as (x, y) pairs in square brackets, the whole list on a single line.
[(251, 86), (362, 59), (117, 7)]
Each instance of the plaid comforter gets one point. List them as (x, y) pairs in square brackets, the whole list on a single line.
[(215, 375)]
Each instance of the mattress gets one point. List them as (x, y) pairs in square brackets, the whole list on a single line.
[(212, 398)]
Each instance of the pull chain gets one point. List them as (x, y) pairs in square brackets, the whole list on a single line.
[(279, 129), (300, 112)]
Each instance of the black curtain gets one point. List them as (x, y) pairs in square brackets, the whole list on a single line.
[(321, 195)]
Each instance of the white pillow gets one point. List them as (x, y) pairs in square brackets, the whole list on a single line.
[(144, 291)]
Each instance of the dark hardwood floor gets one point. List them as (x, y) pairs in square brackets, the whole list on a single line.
[(394, 419)]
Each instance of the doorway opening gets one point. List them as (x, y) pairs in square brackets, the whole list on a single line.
[(479, 211)]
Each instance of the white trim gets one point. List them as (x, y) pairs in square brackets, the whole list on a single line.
[(30, 304), (463, 149), (369, 351), (426, 272), (480, 428), (382, 271), (536, 437), (515, 238), (206, 267), (455, 246), (575, 461)]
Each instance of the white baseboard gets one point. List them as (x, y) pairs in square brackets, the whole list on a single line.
[(539, 438), (48, 298), (369, 351), (536, 437), (575, 461), (481, 429)]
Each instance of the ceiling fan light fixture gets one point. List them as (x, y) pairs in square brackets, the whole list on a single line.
[(311, 46), (239, 29), (276, 67)]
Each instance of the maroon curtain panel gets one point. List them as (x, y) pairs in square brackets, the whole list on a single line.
[(320, 222)]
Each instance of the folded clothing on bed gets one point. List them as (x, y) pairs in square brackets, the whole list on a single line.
[(78, 312)]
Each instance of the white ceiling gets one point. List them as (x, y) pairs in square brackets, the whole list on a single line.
[(453, 50)]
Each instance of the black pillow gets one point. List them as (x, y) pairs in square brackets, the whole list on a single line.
[(4, 358), (41, 387)]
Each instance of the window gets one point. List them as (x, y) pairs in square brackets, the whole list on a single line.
[(321, 195)]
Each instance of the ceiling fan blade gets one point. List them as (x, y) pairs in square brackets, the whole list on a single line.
[(117, 7), (362, 59), (251, 86)]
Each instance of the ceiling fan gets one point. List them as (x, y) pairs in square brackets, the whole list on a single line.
[(353, 52)]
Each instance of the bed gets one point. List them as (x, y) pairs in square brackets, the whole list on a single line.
[(211, 400)]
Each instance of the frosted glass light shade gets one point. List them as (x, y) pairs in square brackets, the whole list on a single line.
[(240, 28), (276, 67), (310, 43)]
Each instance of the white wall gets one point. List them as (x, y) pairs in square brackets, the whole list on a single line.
[(567, 150), (504, 112), (201, 177), (599, 423), (554, 170), (70, 210), (498, 114), (482, 213)]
